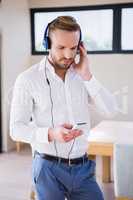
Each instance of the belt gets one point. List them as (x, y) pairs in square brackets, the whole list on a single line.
[(75, 161)]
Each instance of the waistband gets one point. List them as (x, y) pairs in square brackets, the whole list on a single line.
[(75, 161)]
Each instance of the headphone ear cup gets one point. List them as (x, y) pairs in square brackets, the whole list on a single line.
[(46, 43), (80, 39), (49, 43), (46, 40)]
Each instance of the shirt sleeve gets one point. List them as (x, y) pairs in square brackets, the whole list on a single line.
[(101, 98), (20, 116)]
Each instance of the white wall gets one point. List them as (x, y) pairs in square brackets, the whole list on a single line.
[(57, 3), (113, 70), (15, 30)]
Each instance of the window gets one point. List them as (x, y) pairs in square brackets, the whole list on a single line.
[(105, 28), (127, 29)]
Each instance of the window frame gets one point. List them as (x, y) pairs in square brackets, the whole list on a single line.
[(117, 21)]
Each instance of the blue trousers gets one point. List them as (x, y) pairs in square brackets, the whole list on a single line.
[(57, 181)]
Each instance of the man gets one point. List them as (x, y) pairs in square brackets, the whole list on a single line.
[(57, 93)]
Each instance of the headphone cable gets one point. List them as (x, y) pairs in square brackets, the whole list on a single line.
[(52, 118)]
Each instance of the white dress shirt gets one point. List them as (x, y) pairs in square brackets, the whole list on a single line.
[(71, 99)]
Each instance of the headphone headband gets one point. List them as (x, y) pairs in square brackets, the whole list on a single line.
[(46, 39)]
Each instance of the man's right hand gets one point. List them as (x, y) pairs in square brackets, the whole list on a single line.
[(63, 133)]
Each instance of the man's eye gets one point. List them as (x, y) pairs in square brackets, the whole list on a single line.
[(74, 48), (60, 47)]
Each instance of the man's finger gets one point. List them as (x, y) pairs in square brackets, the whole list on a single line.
[(77, 132), (68, 137), (68, 126), (65, 131)]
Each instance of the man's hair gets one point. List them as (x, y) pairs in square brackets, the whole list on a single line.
[(66, 23)]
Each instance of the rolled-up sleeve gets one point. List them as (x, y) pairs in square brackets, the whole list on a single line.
[(101, 98), (20, 116)]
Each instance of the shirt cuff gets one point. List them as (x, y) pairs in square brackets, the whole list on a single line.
[(42, 135), (93, 86)]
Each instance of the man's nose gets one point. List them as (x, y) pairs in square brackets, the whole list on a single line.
[(68, 54)]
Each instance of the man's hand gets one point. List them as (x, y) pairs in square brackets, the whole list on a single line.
[(83, 67), (63, 133)]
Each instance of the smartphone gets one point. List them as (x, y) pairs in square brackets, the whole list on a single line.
[(79, 125)]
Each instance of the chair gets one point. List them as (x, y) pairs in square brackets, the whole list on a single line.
[(123, 171)]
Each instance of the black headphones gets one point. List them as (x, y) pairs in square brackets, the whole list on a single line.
[(46, 39)]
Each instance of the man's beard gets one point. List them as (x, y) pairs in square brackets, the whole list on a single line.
[(60, 65)]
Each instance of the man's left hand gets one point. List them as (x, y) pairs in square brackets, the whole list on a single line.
[(83, 67)]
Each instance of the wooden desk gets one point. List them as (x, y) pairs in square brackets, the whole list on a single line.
[(102, 138), (18, 144), (106, 151)]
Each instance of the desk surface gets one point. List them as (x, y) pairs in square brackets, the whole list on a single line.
[(102, 138), (110, 132), (105, 134)]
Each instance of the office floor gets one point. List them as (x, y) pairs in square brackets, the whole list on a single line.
[(15, 176)]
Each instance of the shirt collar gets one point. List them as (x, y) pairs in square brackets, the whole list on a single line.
[(45, 63)]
